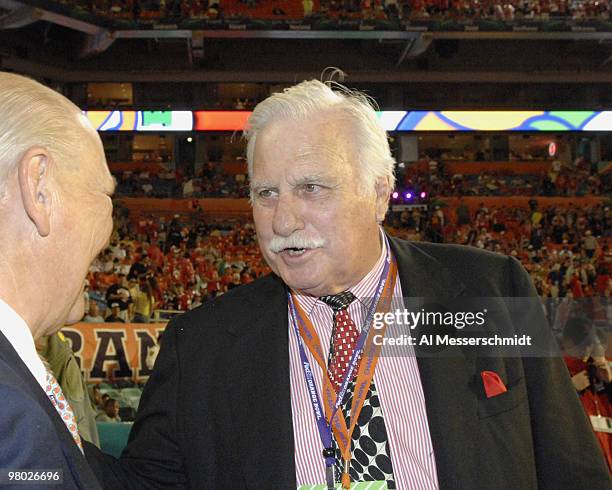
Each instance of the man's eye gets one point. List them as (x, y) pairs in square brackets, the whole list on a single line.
[(265, 193), (311, 187)]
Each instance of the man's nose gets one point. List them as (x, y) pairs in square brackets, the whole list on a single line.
[(287, 216)]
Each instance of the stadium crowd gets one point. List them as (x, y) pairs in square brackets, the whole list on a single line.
[(208, 181), (436, 180), (506, 10), (561, 179), (177, 262), (566, 251), (170, 264)]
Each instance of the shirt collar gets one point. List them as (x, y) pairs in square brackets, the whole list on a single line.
[(365, 288), (17, 332)]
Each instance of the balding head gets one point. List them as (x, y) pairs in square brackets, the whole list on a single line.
[(34, 115), (55, 211)]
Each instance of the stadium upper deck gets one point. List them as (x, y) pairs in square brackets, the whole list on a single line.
[(428, 15)]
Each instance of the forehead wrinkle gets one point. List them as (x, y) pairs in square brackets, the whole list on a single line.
[(316, 152)]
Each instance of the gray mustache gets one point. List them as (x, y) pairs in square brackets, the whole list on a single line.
[(278, 244)]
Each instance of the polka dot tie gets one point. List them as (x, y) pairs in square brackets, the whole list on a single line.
[(371, 459), (54, 392)]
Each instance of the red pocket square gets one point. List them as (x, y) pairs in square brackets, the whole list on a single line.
[(493, 385)]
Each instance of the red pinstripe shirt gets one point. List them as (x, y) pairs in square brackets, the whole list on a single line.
[(399, 388)]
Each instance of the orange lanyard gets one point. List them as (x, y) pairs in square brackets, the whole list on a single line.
[(369, 359)]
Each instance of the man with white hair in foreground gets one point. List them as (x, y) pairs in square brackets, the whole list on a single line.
[(281, 384), (55, 217)]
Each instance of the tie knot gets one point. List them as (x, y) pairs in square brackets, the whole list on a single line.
[(340, 301)]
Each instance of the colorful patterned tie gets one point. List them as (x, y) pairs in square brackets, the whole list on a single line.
[(369, 443), (54, 392)]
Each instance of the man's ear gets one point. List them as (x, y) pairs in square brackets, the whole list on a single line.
[(34, 185), (383, 193)]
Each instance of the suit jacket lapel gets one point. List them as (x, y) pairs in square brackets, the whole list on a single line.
[(264, 427), (264, 424), (81, 470), (444, 378)]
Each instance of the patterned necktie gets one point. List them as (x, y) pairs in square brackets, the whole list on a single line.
[(344, 337), (371, 459), (54, 392)]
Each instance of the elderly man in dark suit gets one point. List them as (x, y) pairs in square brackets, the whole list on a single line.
[(284, 383), (55, 217)]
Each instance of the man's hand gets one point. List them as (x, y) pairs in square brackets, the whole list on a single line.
[(581, 380)]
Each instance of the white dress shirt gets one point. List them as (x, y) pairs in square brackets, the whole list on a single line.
[(17, 332)]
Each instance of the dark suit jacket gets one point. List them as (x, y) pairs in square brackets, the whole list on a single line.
[(32, 434), (216, 412)]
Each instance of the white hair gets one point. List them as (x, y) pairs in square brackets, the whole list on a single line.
[(311, 98), (34, 115)]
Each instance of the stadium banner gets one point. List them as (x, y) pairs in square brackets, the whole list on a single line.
[(113, 350), (141, 120), (220, 120), (497, 121), (400, 121)]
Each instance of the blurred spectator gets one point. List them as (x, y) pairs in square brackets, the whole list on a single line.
[(142, 296), (60, 359), (119, 294), (141, 267), (307, 6), (591, 376), (589, 244), (114, 316), (110, 413), (93, 316)]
